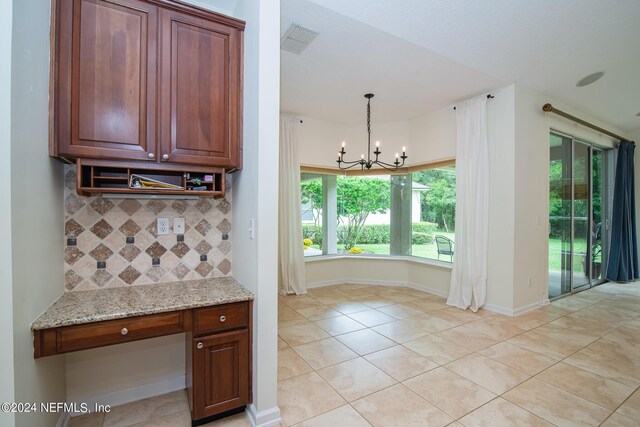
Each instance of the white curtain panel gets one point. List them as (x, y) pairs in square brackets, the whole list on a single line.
[(291, 251), (468, 288)]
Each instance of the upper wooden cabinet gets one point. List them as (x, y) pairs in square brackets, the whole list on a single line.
[(152, 80), (200, 114)]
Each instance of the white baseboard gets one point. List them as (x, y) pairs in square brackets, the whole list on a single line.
[(530, 307), (498, 309), (144, 391), (517, 311), (325, 283), (266, 418), (365, 282), (63, 419)]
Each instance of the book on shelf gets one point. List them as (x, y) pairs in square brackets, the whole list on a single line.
[(142, 182)]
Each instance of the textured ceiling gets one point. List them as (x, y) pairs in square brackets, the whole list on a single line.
[(349, 58), (547, 45)]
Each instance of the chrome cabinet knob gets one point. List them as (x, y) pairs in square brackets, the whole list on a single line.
[(165, 157), (124, 331), (200, 346), (151, 156), (223, 319)]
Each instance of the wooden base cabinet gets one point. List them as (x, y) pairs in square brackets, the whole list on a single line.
[(219, 360), (218, 350), (220, 373)]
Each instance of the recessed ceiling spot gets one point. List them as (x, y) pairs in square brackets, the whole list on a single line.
[(591, 78), (297, 38)]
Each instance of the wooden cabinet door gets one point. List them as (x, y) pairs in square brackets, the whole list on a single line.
[(200, 91), (220, 373), (106, 79)]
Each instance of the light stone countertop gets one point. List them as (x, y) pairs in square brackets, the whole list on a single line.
[(74, 308)]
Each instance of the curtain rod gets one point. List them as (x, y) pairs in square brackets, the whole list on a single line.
[(489, 96), (548, 108)]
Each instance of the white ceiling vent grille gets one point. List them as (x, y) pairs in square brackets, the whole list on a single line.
[(296, 39)]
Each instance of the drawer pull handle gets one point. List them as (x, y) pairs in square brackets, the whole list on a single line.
[(223, 319), (200, 346), (124, 331)]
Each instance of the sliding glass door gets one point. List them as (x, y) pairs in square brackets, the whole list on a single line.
[(579, 202), (581, 208)]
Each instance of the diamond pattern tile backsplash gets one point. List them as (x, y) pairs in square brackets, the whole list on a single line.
[(101, 227)]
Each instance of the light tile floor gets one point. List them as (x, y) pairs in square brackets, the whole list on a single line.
[(353, 355)]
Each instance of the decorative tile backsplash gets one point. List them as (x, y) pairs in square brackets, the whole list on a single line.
[(97, 231)]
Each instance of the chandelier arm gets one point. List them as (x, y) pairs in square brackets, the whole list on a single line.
[(391, 165), (349, 167), (351, 163), (391, 168)]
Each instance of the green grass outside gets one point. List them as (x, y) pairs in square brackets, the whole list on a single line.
[(555, 254), (429, 250)]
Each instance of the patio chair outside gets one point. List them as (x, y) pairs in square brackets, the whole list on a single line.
[(445, 246)]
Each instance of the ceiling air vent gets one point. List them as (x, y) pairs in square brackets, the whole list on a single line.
[(296, 39)]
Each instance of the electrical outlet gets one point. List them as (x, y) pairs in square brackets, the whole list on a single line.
[(178, 225), (163, 226), (252, 228)]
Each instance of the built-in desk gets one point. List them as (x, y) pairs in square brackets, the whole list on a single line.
[(215, 315)]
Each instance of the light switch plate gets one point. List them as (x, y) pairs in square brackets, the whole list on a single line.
[(163, 226), (178, 226)]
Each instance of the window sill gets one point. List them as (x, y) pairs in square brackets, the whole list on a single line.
[(416, 260)]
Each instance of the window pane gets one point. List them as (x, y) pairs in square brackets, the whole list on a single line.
[(364, 217), (311, 203), (433, 213)]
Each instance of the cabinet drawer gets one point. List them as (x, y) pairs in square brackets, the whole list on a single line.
[(72, 338), (220, 318)]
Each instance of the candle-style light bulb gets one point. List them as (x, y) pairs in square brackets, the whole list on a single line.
[(362, 156), (404, 149), (377, 144), (343, 144), (397, 155)]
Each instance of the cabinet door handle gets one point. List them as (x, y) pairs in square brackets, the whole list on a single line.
[(223, 319), (200, 346), (124, 331), (151, 156), (165, 157)]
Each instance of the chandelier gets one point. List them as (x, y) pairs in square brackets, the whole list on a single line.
[(369, 162)]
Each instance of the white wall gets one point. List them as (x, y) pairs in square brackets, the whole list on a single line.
[(379, 271), (127, 372), (6, 291), (36, 202), (255, 192), (433, 136), (501, 137)]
